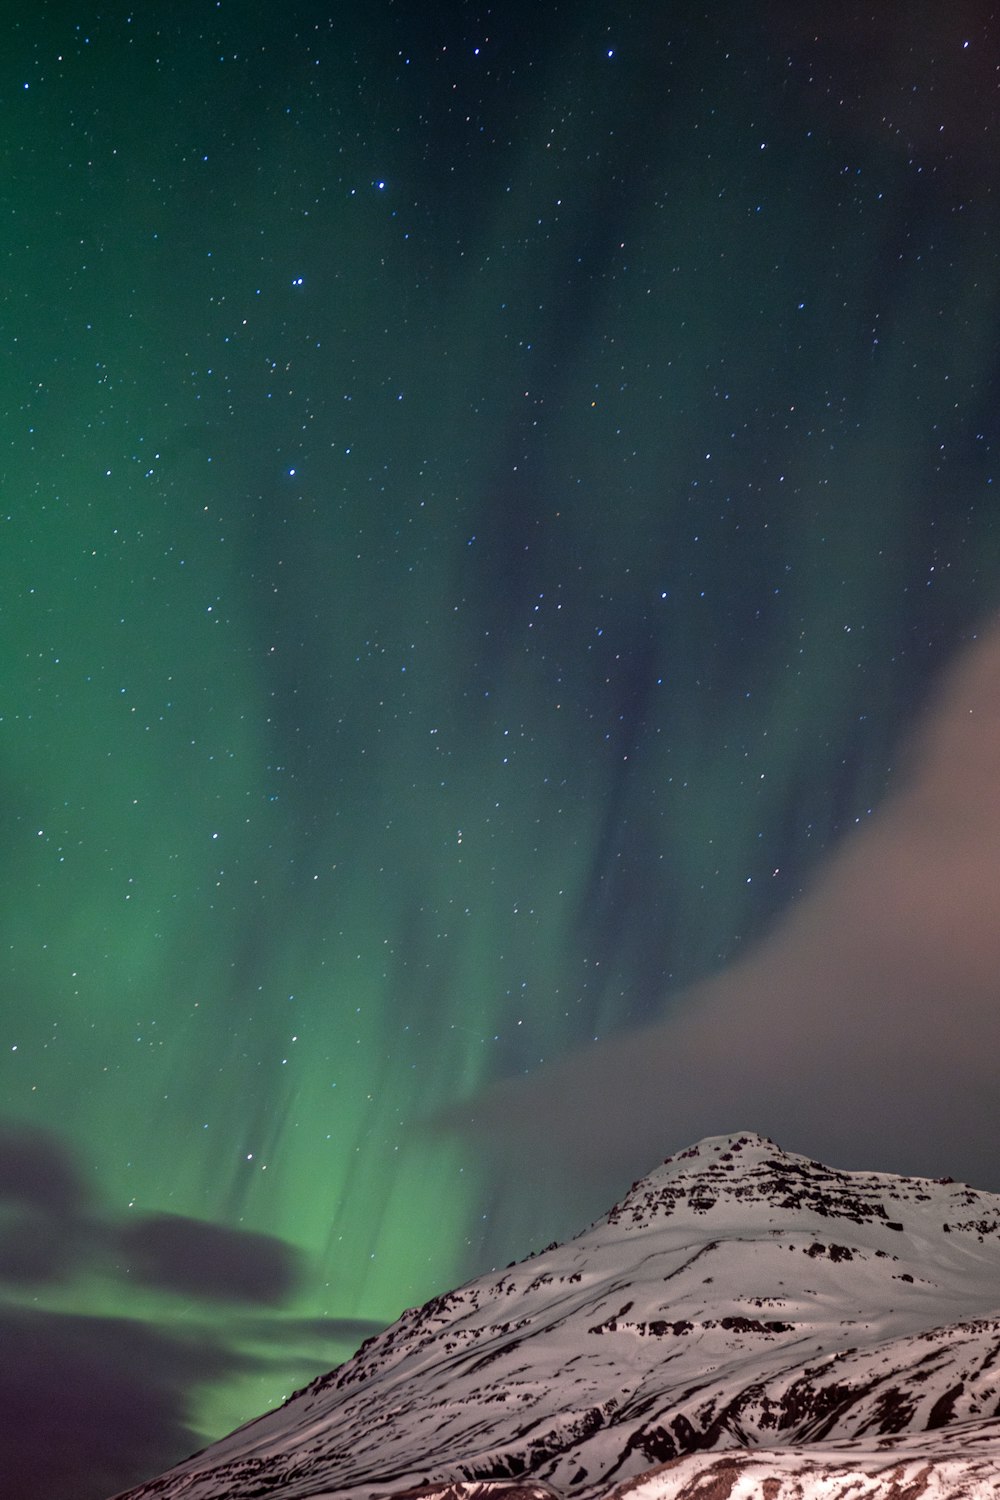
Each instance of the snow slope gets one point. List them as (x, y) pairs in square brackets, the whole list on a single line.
[(745, 1322)]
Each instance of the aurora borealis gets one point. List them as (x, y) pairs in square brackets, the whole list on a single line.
[(484, 496)]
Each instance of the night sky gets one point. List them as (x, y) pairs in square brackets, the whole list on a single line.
[(486, 497)]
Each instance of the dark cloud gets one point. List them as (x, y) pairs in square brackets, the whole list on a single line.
[(199, 1259), (38, 1170), (94, 1405), (42, 1200), (35, 1248), (865, 1030), (48, 1231)]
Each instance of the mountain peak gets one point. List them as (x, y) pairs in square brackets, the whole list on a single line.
[(750, 1174)]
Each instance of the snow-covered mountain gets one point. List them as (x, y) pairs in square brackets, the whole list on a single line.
[(745, 1322)]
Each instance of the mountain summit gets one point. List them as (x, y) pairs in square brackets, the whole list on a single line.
[(744, 1322)]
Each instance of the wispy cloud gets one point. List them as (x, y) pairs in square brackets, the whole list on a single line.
[(865, 1029)]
